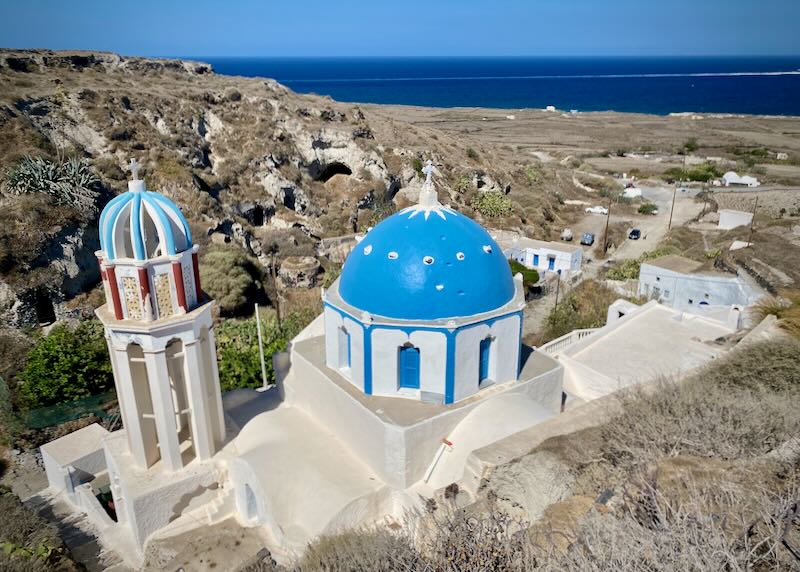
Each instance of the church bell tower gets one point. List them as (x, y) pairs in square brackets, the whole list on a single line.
[(159, 330)]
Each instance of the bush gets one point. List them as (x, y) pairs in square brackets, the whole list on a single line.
[(691, 145), (71, 181), (586, 306), (529, 276), (472, 153), (493, 204), (65, 365), (701, 173), (231, 277), (28, 542), (648, 209), (629, 269), (463, 184), (786, 308), (237, 347)]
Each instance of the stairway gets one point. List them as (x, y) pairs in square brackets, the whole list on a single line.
[(77, 531)]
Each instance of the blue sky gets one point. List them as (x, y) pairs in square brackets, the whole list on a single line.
[(405, 27)]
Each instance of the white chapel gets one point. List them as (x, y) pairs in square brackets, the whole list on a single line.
[(415, 362)]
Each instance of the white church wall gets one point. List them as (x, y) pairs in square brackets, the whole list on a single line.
[(385, 344), (378, 445), (433, 360), (356, 333), (503, 356)]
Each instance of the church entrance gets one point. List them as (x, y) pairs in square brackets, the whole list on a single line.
[(408, 367), (483, 361)]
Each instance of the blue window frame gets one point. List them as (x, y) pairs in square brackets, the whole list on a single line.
[(483, 365), (551, 263), (408, 367), (536, 260)]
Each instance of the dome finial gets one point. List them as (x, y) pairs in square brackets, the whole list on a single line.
[(134, 167), (427, 196)]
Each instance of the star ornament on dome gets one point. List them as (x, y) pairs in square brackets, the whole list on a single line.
[(438, 209)]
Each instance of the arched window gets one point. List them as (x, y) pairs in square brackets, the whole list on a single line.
[(408, 367)]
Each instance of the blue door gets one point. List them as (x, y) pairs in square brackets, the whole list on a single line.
[(408, 365), (536, 260), (551, 263), (483, 367)]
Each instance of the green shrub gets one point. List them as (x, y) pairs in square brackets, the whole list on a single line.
[(71, 181), (472, 153), (629, 269), (463, 184), (532, 174), (529, 275), (493, 204), (65, 365), (417, 164), (231, 277), (237, 347), (691, 145), (648, 209), (701, 173), (586, 306)]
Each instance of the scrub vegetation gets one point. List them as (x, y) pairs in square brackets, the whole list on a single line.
[(493, 204), (66, 364), (232, 279), (700, 474), (585, 306), (237, 347)]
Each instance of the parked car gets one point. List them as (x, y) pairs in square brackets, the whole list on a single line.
[(597, 210), (635, 234), (587, 239), (566, 234)]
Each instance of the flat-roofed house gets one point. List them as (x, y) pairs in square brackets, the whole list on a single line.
[(687, 285), (541, 255)]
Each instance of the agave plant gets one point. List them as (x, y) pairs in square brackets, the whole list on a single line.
[(70, 181)]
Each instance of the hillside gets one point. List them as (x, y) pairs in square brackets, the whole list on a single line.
[(250, 163)]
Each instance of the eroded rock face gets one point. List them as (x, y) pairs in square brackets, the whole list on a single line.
[(299, 272), (525, 488)]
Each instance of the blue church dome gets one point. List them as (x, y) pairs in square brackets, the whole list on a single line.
[(424, 263), (141, 224)]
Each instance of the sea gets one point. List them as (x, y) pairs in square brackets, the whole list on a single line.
[(656, 85)]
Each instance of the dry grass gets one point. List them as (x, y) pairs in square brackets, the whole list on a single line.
[(786, 308)]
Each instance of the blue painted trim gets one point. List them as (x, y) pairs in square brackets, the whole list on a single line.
[(165, 222), (109, 232), (170, 205), (450, 370), (136, 227), (104, 215), (519, 349), (367, 359)]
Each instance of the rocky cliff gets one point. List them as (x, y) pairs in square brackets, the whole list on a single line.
[(251, 163)]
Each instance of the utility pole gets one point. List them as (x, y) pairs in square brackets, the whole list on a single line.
[(605, 232), (558, 286), (752, 221), (261, 350), (274, 273), (672, 208)]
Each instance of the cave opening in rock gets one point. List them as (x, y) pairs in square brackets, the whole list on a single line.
[(325, 172), (45, 311), (258, 216)]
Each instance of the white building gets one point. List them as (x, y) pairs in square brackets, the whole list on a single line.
[(541, 255), (682, 284), (647, 343), (729, 218), (731, 179), (416, 362)]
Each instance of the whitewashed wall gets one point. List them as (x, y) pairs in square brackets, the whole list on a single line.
[(503, 356), (333, 321), (433, 360)]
